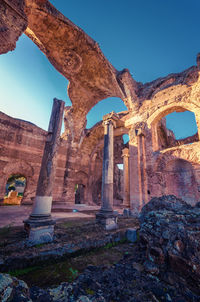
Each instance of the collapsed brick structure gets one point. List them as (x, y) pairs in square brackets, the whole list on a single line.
[(158, 164)]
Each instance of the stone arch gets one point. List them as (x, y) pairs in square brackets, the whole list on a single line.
[(161, 112), (164, 110), (82, 177), (19, 167)]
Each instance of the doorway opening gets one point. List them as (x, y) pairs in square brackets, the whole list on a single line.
[(79, 194)]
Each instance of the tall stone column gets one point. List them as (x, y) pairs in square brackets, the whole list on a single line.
[(138, 167), (106, 215), (40, 224), (126, 197)]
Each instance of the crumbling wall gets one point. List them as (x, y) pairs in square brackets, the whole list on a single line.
[(160, 164), (21, 150)]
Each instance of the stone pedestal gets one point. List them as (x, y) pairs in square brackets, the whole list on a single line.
[(40, 225), (107, 219), (40, 229), (106, 216)]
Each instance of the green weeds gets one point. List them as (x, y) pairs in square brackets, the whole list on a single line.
[(89, 291), (21, 272)]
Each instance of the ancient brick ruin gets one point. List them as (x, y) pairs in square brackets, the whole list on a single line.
[(155, 163)]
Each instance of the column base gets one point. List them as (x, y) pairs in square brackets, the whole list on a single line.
[(127, 212), (107, 219), (40, 229)]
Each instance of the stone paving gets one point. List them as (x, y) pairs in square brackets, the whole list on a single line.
[(14, 215)]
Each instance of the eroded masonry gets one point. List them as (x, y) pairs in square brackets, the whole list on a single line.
[(155, 163)]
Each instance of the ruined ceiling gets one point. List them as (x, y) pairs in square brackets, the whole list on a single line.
[(78, 58), (70, 50), (13, 22)]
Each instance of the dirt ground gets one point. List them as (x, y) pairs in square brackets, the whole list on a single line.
[(66, 231)]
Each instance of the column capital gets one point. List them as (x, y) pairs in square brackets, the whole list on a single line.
[(111, 117), (125, 152), (138, 129)]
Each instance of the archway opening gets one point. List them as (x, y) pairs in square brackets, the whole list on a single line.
[(79, 193), (15, 188), (176, 128), (104, 107), (182, 124)]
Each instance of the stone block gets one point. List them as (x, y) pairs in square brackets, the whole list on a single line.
[(131, 235), (126, 212), (109, 222)]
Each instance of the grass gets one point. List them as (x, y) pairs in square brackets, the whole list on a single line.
[(39, 245), (51, 274), (112, 244), (21, 272)]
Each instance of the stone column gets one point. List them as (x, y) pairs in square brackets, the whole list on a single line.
[(138, 167), (40, 224), (126, 197), (2, 188), (106, 215)]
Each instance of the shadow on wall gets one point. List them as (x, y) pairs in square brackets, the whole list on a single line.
[(96, 192), (180, 180), (179, 177)]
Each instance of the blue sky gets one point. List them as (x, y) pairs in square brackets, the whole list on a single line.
[(150, 38)]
